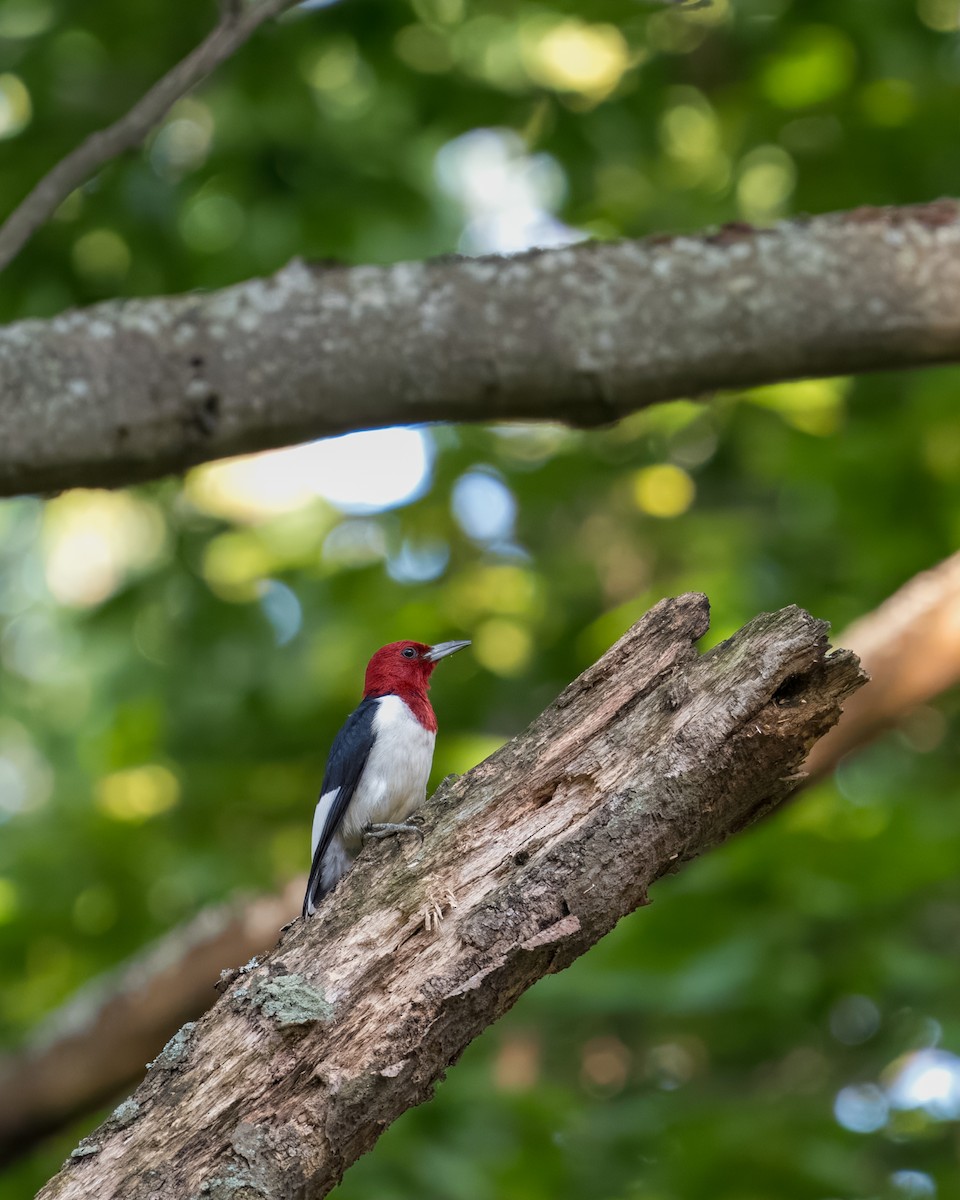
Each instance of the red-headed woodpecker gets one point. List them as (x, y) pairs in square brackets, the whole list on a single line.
[(379, 763)]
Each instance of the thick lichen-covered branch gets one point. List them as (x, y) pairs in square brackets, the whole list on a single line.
[(652, 756), (131, 390)]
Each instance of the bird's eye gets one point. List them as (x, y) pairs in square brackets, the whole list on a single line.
[(409, 652)]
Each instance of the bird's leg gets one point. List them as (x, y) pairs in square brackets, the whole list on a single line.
[(390, 829)]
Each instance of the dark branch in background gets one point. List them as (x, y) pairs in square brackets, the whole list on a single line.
[(133, 389), (651, 757), (909, 645), (237, 22), (64, 1071)]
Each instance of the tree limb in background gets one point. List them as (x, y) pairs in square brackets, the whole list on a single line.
[(238, 20), (910, 645), (63, 1072), (652, 756), (133, 389)]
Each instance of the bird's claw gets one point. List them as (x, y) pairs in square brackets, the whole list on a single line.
[(388, 829)]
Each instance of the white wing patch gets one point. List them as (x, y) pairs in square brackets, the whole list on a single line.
[(320, 814), (336, 863)]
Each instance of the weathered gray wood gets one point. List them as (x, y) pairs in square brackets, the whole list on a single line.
[(129, 390), (652, 756)]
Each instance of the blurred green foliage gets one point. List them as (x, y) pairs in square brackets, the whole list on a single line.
[(176, 659)]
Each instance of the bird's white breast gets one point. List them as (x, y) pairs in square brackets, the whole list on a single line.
[(394, 780)]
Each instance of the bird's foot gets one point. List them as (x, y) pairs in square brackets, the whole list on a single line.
[(433, 913), (388, 829)]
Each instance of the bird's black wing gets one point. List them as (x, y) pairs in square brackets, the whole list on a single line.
[(348, 756)]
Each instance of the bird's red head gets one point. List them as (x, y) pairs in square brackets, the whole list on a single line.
[(398, 668), (404, 668)]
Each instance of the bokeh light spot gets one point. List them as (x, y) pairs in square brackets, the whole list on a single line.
[(423, 49), (282, 609), (353, 544), (508, 195), (360, 472), (604, 1065), (211, 222), (25, 18), (343, 84), (861, 1108), (690, 135), (500, 588), (31, 647), (15, 106), (767, 179), (516, 1064), (332, 67), (9, 901), (913, 1185), (184, 141), (927, 1079), (816, 64), (13, 789), (138, 793), (439, 12), (672, 1064), (854, 1020), (235, 564), (95, 910), (484, 507), (575, 56), (418, 562), (664, 490), (671, 32), (101, 255), (941, 15), (889, 102), (371, 471), (503, 647), (94, 539)]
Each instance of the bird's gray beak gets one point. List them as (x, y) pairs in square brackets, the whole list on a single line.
[(442, 649)]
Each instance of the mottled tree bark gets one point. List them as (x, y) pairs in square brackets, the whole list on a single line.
[(130, 390), (653, 755)]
